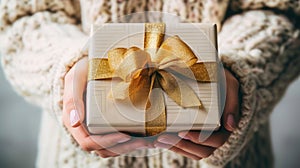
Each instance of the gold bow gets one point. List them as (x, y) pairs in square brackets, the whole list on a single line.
[(147, 73)]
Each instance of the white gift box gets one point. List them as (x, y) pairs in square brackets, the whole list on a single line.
[(104, 114)]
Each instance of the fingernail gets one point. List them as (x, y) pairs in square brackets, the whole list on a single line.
[(184, 135), (164, 140), (160, 145), (230, 121), (124, 139), (74, 118)]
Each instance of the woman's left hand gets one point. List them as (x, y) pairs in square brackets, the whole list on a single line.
[(198, 145)]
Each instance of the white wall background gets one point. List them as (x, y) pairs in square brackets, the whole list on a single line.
[(19, 126), (285, 124)]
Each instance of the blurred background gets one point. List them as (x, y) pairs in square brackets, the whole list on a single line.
[(19, 126)]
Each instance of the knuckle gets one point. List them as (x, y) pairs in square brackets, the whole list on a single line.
[(68, 103), (68, 100)]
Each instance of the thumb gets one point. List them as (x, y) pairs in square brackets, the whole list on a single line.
[(231, 109), (75, 82), (79, 85)]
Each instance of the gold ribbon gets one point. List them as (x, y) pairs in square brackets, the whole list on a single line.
[(147, 73)]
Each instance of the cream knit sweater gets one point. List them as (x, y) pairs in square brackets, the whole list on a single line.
[(259, 42)]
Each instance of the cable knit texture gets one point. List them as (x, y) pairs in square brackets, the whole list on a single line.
[(41, 40)]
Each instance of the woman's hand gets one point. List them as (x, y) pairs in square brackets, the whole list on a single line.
[(194, 144), (108, 145)]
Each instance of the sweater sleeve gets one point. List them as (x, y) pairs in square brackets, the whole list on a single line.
[(41, 40), (289, 6), (262, 49)]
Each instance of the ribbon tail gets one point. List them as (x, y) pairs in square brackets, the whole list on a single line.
[(178, 90), (155, 115)]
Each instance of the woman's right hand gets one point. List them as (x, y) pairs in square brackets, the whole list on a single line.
[(108, 145)]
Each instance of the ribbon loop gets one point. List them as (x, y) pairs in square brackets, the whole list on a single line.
[(174, 49)]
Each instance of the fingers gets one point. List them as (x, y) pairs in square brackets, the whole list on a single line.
[(123, 148), (195, 149), (231, 110), (73, 112), (177, 150), (215, 139), (197, 145), (109, 140), (90, 143), (74, 86), (73, 108), (96, 142)]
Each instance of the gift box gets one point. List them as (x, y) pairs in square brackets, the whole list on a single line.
[(147, 78)]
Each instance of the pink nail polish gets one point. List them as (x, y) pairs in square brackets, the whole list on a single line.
[(183, 135), (231, 121), (122, 140), (74, 118), (164, 140)]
